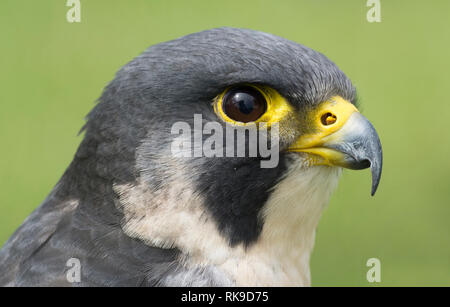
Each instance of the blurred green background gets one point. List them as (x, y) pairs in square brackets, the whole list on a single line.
[(52, 72)]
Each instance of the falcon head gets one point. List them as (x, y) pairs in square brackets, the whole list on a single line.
[(255, 224)]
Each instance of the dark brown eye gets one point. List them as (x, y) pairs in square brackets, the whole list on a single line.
[(244, 104)]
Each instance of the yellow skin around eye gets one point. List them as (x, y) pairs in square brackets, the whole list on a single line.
[(277, 107)]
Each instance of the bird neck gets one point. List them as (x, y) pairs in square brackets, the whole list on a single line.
[(281, 255)]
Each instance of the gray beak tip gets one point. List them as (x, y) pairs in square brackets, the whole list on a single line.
[(374, 189), (375, 168), (362, 146)]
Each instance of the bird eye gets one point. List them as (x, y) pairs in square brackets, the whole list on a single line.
[(244, 104)]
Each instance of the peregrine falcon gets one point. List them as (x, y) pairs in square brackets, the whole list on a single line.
[(132, 211)]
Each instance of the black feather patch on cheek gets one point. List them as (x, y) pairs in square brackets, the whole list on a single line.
[(235, 193)]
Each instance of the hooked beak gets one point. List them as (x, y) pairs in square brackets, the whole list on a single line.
[(342, 137)]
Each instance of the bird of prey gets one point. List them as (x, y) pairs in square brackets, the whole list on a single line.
[(131, 212)]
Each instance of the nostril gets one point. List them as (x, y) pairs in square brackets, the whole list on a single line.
[(328, 119)]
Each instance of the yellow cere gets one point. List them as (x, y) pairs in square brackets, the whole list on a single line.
[(277, 107), (328, 118)]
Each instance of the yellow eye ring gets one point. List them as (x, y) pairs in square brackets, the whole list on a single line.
[(276, 107)]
